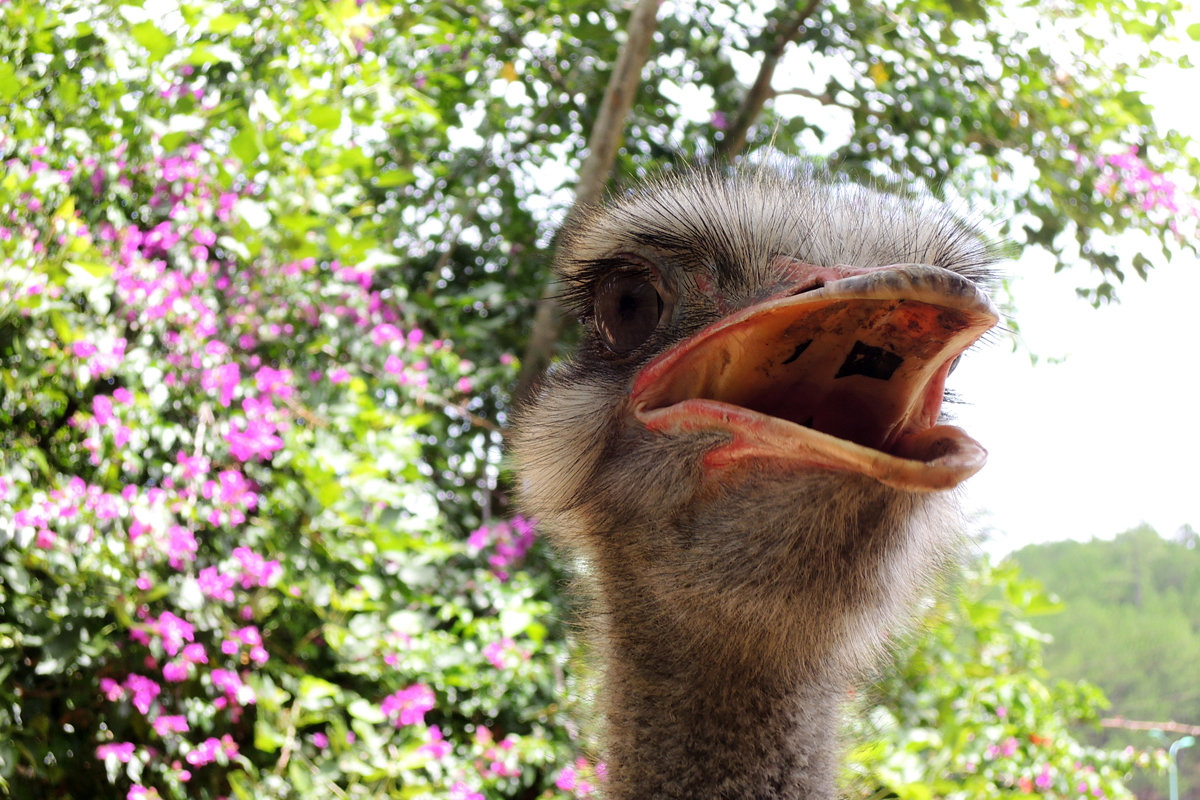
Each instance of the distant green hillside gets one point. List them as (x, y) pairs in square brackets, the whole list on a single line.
[(1131, 625)]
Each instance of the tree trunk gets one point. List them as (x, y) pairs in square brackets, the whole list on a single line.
[(760, 91), (602, 151)]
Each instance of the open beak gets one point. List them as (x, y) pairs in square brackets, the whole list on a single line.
[(847, 376)]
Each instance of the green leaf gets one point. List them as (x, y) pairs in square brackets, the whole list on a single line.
[(266, 737), (361, 709), (325, 117), (226, 23), (10, 87), (155, 41), (312, 689)]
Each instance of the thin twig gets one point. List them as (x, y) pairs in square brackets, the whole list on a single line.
[(1138, 725)]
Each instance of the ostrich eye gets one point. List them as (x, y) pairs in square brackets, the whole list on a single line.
[(627, 309)]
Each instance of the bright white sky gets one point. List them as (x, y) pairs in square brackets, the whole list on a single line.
[(1107, 437)]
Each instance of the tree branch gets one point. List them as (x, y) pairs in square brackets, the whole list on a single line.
[(760, 91), (1138, 725), (593, 175)]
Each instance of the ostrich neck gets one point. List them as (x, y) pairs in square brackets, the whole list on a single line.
[(682, 725)]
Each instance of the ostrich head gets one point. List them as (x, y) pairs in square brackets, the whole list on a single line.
[(748, 454)]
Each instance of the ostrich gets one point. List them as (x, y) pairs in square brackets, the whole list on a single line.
[(747, 456)]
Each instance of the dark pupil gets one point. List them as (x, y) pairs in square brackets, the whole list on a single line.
[(627, 308), (630, 303)]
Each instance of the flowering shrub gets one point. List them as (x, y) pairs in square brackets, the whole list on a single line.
[(968, 712), (224, 569)]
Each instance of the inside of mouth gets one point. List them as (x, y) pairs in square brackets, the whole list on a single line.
[(865, 371)]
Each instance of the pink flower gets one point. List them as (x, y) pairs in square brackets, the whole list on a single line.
[(210, 749), (256, 571), (234, 495), (122, 751), (102, 408), (222, 380), (510, 541), (494, 652), (174, 632), (235, 691), (385, 332), (274, 381), (566, 779), (460, 791), (256, 439), (194, 654), (170, 724), (175, 671), (144, 691), (437, 747), (193, 466), (215, 585), (111, 689), (409, 705), (181, 546)]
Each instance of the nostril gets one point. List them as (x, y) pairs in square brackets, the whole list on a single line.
[(798, 290)]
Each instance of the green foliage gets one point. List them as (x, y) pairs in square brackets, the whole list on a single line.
[(1131, 625), (969, 712), (262, 270), (967, 99), (1131, 622)]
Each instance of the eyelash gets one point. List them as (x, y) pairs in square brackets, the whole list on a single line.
[(579, 285)]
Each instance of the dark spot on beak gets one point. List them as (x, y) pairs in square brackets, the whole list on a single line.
[(800, 348), (871, 362)]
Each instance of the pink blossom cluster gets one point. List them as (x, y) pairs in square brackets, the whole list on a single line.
[(408, 706), (460, 791), (256, 571), (182, 668), (212, 749), (436, 747), (234, 691), (249, 638), (509, 541), (1155, 193), (76, 506), (1006, 748), (100, 360), (581, 778), (121, 751), (200, 317), (504, 653), (231, 496), (498, 759)]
